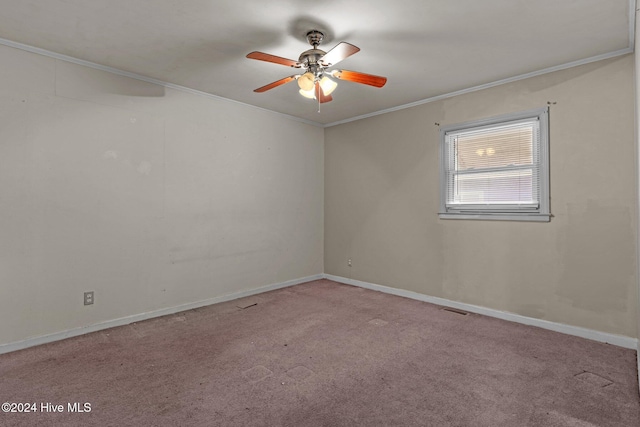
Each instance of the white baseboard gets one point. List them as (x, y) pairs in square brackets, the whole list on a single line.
[(619, 340), (57, 336)]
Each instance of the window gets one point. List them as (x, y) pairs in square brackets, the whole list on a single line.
[(496, 168)]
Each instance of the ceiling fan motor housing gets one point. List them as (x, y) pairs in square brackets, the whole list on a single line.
[(310, 59)]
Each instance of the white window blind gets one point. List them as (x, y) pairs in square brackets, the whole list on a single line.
[(495, 167)]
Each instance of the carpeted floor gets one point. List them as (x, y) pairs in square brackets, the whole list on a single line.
[(323, 354)]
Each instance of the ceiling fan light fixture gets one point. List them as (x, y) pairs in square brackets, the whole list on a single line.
[(311, 94), (327, 85), (306, 81), (317, 82)]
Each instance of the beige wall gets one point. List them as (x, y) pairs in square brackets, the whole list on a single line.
[(381, 204), (637, 117), (151, 197), (154, 197)]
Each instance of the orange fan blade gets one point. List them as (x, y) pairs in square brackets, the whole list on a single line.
[(275, 84), (341, 51), (355, 76), (321, 96), (261, 56)]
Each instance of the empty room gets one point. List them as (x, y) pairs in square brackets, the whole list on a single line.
[(338, 213)]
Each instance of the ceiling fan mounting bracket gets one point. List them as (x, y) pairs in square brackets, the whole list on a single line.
[(315, 37)]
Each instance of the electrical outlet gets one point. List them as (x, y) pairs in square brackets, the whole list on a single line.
[(88, 298), (349, 262)]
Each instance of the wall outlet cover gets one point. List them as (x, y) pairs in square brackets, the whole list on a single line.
[(88, 298)]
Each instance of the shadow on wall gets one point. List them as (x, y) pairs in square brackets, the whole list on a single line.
[(88, 84)]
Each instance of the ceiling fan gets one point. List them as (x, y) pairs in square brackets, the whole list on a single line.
[(315, 82)]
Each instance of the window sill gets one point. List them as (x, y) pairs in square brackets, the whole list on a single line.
[(531, 217)]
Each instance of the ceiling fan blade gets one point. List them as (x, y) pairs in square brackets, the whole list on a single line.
[(261, 56), (341, 51), (275, 84), (357, 77), (321, 96)]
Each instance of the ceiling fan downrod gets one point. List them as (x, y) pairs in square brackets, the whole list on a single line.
[(311, 58)]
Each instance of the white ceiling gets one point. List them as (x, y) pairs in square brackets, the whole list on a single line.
[(426, 48)]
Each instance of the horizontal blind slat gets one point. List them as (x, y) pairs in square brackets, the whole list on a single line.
[(493, 166)]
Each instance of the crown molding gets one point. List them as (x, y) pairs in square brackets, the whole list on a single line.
[(608, 55), (488, 85), (140, 77)]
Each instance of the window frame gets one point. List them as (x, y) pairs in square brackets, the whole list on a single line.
[(541, 213)]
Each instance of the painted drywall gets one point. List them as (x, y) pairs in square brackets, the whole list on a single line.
[(382, 192), (148, 196), (637, 117)]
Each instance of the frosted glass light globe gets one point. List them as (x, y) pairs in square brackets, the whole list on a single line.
[(306, 81)]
